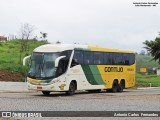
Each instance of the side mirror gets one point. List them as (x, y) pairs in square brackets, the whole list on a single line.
[(58, 59), (24, 59)]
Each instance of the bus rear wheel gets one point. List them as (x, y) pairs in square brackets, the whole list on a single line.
[(72, 89), (114, 87), (46, 93), (121, 86)]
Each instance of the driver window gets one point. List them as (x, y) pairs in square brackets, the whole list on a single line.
[(77, 58), (63, 63), (62, 66)]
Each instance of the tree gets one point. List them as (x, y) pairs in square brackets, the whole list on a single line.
[(153, 47), (44, 35), (26, 33), (142, 52)]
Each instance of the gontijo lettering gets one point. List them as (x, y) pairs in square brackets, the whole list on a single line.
[(113, 69)]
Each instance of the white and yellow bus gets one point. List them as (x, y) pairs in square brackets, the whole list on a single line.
[(71, 67)]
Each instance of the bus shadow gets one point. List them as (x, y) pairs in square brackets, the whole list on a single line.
[(63, 94)]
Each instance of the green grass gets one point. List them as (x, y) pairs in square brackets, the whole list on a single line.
[(10, 54), (147, 62), (146, 80)]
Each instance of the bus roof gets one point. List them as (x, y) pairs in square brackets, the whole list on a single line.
[(63, 47)]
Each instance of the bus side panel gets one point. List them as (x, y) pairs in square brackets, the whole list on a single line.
[(86, 76), (110, 73)]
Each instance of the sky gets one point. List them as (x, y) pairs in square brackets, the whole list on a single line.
[(108, 23)]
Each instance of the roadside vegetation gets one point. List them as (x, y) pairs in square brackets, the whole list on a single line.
[(11, 56), (146, 61), (147, 80), (150, 78)]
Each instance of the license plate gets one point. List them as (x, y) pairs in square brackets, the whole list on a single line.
[(38, 87)]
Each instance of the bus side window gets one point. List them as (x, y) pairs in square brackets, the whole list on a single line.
[(126, 59), (77, 58), (117, 59), (126, 62), (98, 57), (88, 57), (129, 58), (107, 58)]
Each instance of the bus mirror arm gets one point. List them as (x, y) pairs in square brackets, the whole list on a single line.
[(24, 59), (58, 59)]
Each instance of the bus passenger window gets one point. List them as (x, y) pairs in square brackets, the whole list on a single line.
[(88, 57), (117, 59), (98, 58), (126, 59), (107, 58), (129, 58), (132, 59), (126, 62)]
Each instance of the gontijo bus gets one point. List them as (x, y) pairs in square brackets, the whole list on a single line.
[(71, 67)]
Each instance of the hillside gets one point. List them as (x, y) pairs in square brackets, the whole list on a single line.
[(11, 58)]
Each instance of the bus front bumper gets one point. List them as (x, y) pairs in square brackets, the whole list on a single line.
[(50, 87)]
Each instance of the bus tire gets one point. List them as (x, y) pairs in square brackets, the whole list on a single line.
[(46, 93), (121, 86), (72, 88), (114, 86)]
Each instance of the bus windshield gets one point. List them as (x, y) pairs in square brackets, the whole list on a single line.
[(42, 65)]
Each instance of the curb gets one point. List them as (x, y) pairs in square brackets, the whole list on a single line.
[(16, 91), (13, 87), (144, 88)]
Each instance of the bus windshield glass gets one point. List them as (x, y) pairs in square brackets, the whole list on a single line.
[(42, 65)]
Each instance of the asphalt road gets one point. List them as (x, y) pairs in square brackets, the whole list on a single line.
[(129, 100)]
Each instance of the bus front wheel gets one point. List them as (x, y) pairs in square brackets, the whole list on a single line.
[(72, 89)]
